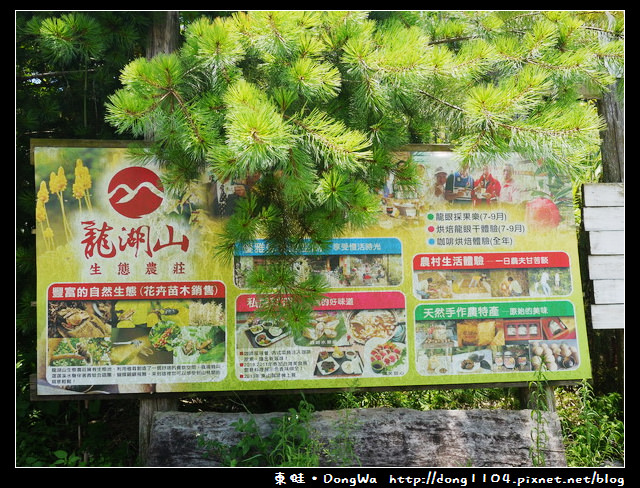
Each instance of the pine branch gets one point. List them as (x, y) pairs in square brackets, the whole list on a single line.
[(314, 102), (332, 142), (442, 102), (48, 74)]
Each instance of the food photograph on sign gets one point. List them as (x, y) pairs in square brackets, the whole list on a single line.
[(499, 346), (342, 341), (508, 337), (468, 277)]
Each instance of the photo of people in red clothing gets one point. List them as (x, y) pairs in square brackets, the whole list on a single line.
[(486, 188)]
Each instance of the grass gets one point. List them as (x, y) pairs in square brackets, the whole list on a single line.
[(593, 427)]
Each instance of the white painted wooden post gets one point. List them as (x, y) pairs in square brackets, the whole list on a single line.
[(604, 220)]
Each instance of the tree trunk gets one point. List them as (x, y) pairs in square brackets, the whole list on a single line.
[(608, 345), (375, 437), (164, 35), (148, 407), (611, 110)]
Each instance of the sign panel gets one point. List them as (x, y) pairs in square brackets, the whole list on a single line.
[(469, 279)]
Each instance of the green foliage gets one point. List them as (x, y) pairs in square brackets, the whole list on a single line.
[(290, 442), (66, 459), (67, 433), (66, 64), (593, 426), (70, 36), (314, 102), (436, 399), (539, 395)]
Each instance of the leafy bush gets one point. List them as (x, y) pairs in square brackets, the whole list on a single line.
[(593, 426), (290, 443)]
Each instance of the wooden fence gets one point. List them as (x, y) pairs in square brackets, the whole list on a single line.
[(603, 218)]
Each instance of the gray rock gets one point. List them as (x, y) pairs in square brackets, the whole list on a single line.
[(380, 437)]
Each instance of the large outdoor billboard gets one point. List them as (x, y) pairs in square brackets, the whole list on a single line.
[(471, 278)]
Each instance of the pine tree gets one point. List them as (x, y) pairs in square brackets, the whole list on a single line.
[(315, 103)]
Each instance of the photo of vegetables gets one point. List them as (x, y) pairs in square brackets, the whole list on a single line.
[(135, 332), (79, 352)]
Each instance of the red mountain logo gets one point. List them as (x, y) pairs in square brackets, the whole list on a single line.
[(135, 192)]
